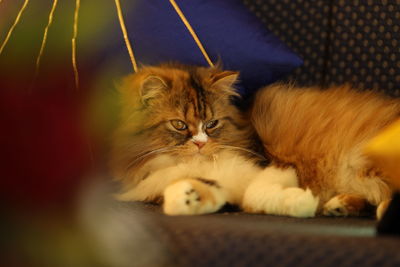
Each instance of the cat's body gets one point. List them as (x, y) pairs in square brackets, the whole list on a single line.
[(322, 133), (181, 140)]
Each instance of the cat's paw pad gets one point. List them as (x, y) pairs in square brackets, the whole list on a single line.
[(335, 207), (182, 198)]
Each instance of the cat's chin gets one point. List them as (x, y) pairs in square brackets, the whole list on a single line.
[(197, 155), (205, 152)]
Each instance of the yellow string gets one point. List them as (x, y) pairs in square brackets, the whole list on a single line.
[(75, 34), (53, 8), (192, 32), (124, 32), (14, 25)]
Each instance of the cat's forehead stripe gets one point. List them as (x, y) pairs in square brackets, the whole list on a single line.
[(190, 110), (194, 100), (200, 96)]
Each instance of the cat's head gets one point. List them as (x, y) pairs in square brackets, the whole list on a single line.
[(180, 110)]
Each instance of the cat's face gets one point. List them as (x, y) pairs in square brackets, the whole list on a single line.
[(186, 111)]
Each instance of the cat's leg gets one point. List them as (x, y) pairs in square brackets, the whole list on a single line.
[(193, 196), (368, 190), (275, 191), (346, 205), (151, 187)]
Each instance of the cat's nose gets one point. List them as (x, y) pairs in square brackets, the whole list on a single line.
[(199, 144)]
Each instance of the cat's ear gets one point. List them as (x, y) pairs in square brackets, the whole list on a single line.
[(151, 87), (224, 81)]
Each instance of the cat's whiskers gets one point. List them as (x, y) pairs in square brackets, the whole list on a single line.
[(215, 157), (149, 153), (243, 149)]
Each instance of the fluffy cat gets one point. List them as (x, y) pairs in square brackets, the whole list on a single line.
[(182, 141)]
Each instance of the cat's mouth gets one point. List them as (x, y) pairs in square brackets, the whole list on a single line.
[(193, 150), (208, 151)]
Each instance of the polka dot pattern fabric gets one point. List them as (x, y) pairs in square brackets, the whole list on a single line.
[(237, 239), (341, 41)]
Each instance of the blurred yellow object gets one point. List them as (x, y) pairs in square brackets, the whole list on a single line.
[(384, 150)]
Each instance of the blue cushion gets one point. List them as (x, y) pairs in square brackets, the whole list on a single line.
[(227, 30)]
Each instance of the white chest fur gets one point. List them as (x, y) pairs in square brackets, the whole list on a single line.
[(228, 169)]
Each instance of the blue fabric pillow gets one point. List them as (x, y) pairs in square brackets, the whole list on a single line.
[(227, 30)]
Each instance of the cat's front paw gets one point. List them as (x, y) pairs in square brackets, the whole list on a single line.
[(189, 198), (345, 205), (335, 207), (300, 203)]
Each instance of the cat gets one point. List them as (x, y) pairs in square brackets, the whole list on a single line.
[(296, 152)]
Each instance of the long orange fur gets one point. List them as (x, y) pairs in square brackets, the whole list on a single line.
[(322, 132)]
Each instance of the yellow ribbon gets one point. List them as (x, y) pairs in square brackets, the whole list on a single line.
[(192, 32), (74, 36), (184, 20), (44, 40), (125, 34), (21, 11)]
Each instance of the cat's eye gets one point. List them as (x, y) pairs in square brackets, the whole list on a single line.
[(179, 125), (211, 124)]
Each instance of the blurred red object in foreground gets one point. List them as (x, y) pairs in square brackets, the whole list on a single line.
[(44, 151)]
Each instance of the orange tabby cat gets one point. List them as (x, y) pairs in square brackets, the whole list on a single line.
[(182, 140), (321, 134)]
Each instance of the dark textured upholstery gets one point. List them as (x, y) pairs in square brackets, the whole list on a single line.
[(241, 240), (340, 41), (237, 239)]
